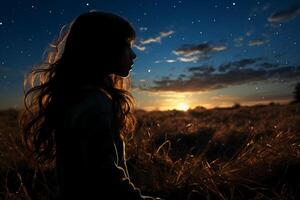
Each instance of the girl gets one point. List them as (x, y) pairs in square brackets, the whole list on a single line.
[(78, 109)]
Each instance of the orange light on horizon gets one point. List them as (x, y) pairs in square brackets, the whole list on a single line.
[(182, 106)]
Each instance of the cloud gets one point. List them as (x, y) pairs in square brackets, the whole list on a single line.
[(151, 40), (192, 58), (285, 15), (156, 39), (257, 42), (170, 61), (195, 53), (165, 34), (238, 64), (141, 48), (266, 65), (246, 62), (204, 78), (165, 60), (205, 69)]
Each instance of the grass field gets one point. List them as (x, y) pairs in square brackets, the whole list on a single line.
[(222, 153)]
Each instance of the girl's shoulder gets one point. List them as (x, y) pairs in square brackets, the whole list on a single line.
[(95, 98), (91, 101)]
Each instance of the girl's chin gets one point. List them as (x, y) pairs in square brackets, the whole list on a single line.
[(123, 73)]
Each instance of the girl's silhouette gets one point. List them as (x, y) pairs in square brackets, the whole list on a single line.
[(79, 109)]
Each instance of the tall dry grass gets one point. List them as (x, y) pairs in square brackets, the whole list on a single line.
[(232, 153)]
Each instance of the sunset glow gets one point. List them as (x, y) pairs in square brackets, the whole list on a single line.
[(182, 106)]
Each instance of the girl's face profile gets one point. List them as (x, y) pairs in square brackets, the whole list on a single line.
[(125, 61)]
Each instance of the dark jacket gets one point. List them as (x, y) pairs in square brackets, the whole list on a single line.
[(90, 154)]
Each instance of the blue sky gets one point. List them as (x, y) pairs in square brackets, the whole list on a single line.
[(206, 53)]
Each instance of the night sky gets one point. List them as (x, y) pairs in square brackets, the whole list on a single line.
[(189, 53)]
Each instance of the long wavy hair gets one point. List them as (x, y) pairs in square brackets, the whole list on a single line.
[(81, 55)]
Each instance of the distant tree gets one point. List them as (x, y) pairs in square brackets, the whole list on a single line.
[(297, 93), (236, 106)]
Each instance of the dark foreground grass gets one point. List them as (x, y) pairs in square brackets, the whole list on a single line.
[(234, 153)]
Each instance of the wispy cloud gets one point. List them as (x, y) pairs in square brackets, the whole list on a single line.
[(141, 44), (285, 15), (267, 65), (192, 58), (165, 60), (141, 48), (204, 69), (156, 39), (242, 63), (165, 34), (257, 42), (195, 53), (206, 77), (170, 61)]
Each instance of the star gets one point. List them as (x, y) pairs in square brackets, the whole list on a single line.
[(233, 3), (87, 4), (1, 23)]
